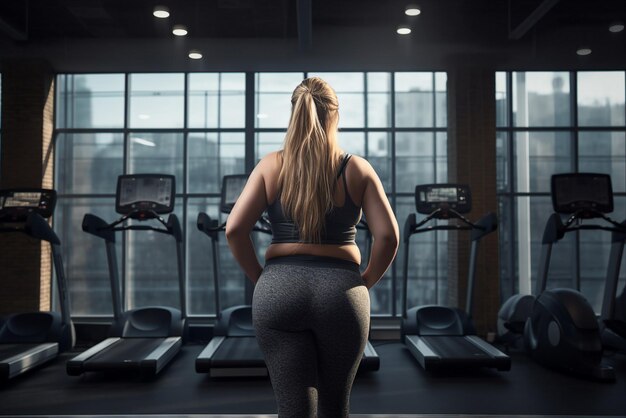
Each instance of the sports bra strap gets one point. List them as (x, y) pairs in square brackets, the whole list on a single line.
[(343, 165)]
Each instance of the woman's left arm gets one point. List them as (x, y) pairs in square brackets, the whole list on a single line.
[(244, 215)]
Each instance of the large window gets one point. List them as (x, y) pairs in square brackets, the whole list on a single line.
[(547, 123), (195, 126)]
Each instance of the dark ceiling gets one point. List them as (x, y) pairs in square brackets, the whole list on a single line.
[(537, 29)]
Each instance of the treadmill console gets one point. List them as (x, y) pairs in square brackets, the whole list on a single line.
[(445, 196), (145, 193), (232, 186), (17, 204), (580, 192)]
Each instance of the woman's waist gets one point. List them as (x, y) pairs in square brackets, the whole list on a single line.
[(315, 261), (346, 252)]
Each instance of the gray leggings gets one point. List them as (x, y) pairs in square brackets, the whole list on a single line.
[(311, 316)]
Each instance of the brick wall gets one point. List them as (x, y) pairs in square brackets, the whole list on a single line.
[(27, 161), (472, 160)]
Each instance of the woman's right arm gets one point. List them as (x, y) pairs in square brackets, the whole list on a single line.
[(382, 224)]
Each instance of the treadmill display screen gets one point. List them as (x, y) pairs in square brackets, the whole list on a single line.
[(232, 186), (16, 204), (145, 192), (444, 197), (580, 191), (442, 194), (22, 200)]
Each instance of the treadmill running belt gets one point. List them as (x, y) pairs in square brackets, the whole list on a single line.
[(127, 352), (238, 352), (455, 347)]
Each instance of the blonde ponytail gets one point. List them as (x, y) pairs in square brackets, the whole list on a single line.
[(310, 158)]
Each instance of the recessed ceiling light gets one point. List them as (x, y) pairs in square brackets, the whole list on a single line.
[(412, 10), (403, 30), (195, 54), (261, 115), (161, 12), (616, 27), (583, 51), (144, 116), (179, 30)]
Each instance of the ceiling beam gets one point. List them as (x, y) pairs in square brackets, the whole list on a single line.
[(305, 24), (532, 19)]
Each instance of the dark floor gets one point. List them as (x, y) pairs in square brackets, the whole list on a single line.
[(399, 387)]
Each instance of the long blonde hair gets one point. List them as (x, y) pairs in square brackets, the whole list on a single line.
[(310, 157)]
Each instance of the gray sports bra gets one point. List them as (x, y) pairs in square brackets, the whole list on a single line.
[(340, 227)]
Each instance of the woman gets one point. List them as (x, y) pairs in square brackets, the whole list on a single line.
[(310, 304)]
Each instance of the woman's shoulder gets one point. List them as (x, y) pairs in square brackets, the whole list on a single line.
[(360, 165), (270, 161), (272, 156)]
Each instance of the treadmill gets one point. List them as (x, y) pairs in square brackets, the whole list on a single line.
[(28, 340), (442, 337), (233, 351), (143, 339)]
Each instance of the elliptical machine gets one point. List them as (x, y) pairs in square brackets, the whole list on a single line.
[(562, 331)]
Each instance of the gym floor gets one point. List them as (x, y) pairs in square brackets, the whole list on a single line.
[(399, 389)]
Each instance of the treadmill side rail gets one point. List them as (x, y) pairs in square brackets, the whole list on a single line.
[(503, 360), (155, 361), (74, 366), (28, 359), (370, 361), (203, 361), (421, 351)]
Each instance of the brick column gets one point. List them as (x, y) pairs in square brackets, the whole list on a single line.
[(27, 161), (472, 160)]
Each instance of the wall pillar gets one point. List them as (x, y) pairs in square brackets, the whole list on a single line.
[(27, 161), (472, 161)]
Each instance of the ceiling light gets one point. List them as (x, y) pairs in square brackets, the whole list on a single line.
[(616, 27), (403, 30), (161, 12), (195, 54), (412, 10), (261, 115), (179, 30), (144, 116), (582, 51)]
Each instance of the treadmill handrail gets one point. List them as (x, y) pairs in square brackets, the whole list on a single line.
[(612, 275), (37, 227), (204, 223), (212, 228), (444, 214), (486, 225), (95, 225), (555, 230)]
